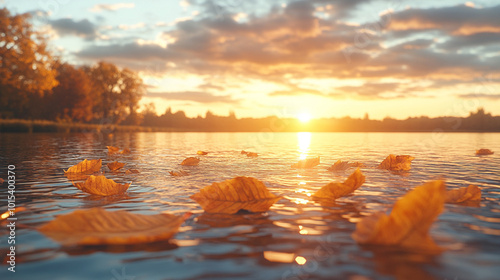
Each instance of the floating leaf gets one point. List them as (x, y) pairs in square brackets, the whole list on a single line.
[(113, 150), (396, 163), (1, 181), (132, 171), (336, 190), (250, 154), (190, 161), (307, 163), (125, 151), (178, 173), (97, 226), (470, 193), (339, 166), (201, 153), (86, 167), (243, 152), (484, 152), (235, 194), (409, 222), (115, 165), (76, 176), (100, 185)]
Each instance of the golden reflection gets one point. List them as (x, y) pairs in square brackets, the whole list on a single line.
[(302, 230), (304, 140), (300, 260), (279, 256)]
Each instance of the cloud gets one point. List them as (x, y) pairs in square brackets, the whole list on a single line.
[(481, 96), (196, 96), (66, 26), (111, 7)]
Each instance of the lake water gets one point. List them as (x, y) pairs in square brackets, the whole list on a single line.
[(254, 246)]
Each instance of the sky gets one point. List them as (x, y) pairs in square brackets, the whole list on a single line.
[(314, 58)]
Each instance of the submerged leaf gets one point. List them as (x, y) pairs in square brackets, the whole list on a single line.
[(484, 152), (470, 193), (409, 222), (86, 167), (190, 161), (115, 165), (201, 153), (396, 163), (100, 185), (336, 190), (97, 226), (232, 195), (178, 173), (306, 163), (132, 171)]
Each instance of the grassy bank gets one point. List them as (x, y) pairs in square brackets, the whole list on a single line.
[(34, 126)]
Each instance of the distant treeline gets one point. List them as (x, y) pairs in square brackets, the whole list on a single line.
[(477, 121)]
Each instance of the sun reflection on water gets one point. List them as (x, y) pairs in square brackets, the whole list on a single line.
[(304, 141)]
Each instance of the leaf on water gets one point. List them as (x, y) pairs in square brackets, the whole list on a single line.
[(113, 150), (178, 173), (484, 152), (409, 222), (232, 195), (125, 151), (339, 166), (336, 190), (190, 161), (76, 176), (201, 153), (1, 181), (132, 171), (85, 167), (470, 193), (307, 163), (250, 154), (243, 152), (97, 226), (100, 185), (396, 163), (115, 165)]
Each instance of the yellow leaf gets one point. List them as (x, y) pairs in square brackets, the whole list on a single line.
[(97, 226), (409, 222), (190, 161), (132, 171), (178, 173), (86, 167), (100, 185), (396, 163), (470, 193), (306, 163), (236, 194), (201, 153), (113, 150), (115, 165), (483, 152), (336, 190)]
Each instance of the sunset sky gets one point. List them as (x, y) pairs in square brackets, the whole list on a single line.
[(318, 58)]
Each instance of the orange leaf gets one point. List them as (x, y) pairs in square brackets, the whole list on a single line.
[(178, 173), (396, 163), (125, 151), (201, 153), (86, 167), (132, 171), (190, 161), (339, 166), (336, 190), (97, 226), (235, 194), (1, 181), (100, 185), (250, 154), (470, 193), (409, 222), (483, 152), (115, 165), (112, 150), (243, 152), (307, 163)]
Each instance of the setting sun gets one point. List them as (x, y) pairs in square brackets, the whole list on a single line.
[(304, 117)]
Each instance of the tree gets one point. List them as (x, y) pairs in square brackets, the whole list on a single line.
[(25, 65)]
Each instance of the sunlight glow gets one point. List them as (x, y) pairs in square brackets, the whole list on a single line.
[(304, 139), (300, 260), (304, 117)]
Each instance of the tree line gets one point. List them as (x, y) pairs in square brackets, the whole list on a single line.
[(35, 84)]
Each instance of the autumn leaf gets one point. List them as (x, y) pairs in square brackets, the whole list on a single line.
[(100, 185), (113, 150), (201, 153), (190, 161), (336, 190), (396, 163), (235, 194), (339, 166), (76, 176), (484, 152), (178, 173), (470, 193), (306, 163), (115, 165), (125, 151), (132, 171), (86, 167), (97, 226), (243, 152), (250, 154), (409, 222)]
